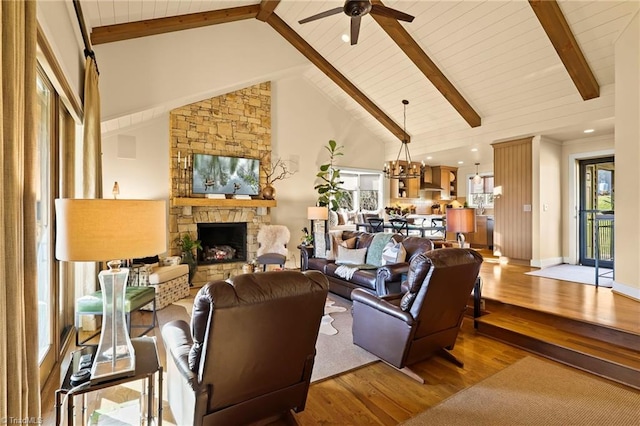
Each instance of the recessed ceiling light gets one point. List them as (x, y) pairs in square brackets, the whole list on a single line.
[(474, 149), (589, 131), (460, 162), (345, 38), (429, 158)]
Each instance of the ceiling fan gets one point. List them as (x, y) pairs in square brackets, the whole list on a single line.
[(356, 9)]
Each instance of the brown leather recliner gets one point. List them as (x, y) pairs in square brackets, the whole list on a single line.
[(250, 351), (410, 327)]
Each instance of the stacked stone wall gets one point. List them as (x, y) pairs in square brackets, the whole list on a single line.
[(237, 124)]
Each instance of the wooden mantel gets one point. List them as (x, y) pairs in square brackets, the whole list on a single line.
[(219, 202)]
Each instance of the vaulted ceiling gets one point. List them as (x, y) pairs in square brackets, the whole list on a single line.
[(459, 62)]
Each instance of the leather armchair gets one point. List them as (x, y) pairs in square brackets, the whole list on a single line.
[(249, 352), (407, 328)]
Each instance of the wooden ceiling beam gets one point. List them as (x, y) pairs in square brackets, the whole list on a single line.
[(555, 25), (408, 45), (266, 9), (119, 32), (330, 71)]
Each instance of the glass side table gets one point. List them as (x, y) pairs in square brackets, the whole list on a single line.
[(147, 365)]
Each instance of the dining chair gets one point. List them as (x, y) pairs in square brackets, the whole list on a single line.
[(376, 224), (399, 225)]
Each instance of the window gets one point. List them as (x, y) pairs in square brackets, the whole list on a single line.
[(55, 129), (364, 190), (44, 220), (480, 195)]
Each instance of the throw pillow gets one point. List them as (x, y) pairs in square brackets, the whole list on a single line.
[(333, 219), (341, 217), (350, 256), (336, 240), (393, 252)]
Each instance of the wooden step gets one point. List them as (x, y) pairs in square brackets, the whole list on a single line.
[(609, 353), (596, 331)]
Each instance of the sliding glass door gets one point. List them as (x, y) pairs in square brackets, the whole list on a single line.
[(597, 206)]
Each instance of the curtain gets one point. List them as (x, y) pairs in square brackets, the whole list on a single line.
[(19, 370), (92, 168), (92, 148)]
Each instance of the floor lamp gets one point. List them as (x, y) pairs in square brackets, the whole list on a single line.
[(98, 230), (460, 221)]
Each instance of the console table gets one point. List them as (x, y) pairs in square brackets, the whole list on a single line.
[(147, 365)]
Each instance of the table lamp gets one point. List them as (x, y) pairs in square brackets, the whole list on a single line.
[(97, 230), (461, 220), (317, 213)]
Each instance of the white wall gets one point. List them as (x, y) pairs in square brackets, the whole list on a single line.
[(182, 67), (303, 122), (547, 203), (147, 175), (627, 143)]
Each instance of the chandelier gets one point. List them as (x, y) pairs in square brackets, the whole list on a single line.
[(403, 169)]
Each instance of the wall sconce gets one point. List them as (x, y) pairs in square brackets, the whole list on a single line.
[(497, 191)]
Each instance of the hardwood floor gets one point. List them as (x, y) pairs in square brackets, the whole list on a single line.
[(378, 394)]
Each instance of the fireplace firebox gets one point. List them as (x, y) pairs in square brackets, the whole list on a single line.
[(222, 242)]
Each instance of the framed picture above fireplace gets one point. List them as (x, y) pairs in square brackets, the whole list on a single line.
[(217, 174)]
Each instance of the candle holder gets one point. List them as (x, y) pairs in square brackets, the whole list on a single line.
[(183, 181)]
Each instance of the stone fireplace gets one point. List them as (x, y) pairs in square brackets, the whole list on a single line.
[(222, 242), (236, 124)]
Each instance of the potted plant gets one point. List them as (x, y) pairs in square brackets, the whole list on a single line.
[(187, 244), (307, 239), (329, 190)]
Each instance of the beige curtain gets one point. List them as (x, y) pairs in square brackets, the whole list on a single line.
[(92, 168), (19, 387), (92, 156)]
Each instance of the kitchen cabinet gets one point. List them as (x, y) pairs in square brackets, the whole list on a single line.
[(447, 178), (483, 237)]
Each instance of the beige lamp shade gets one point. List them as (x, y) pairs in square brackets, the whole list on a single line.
[(95, 230), (317, 213), (461, 220)]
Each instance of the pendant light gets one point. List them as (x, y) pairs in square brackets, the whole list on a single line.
[(477, 179), (395, 170)]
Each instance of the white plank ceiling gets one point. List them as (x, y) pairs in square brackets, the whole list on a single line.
[(494, 52)]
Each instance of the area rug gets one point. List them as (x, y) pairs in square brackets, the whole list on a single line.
[(336, 352), (576, 273), (327, 319), (537, 392)]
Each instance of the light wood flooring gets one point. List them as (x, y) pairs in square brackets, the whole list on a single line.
[(378, 394)]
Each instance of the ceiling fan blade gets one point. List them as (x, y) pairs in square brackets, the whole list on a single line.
[(321, 15), (355, 29), (390, 13)]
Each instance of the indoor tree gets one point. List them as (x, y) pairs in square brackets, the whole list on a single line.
[(329, 190)]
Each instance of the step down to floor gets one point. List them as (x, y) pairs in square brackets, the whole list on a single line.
[(603, 351)]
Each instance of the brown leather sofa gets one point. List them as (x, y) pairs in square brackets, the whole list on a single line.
[(250, 351), (410, 327), (381, 281)]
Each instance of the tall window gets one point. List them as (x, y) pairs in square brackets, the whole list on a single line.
[(55, 299), (44, 216), (364, 190)]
